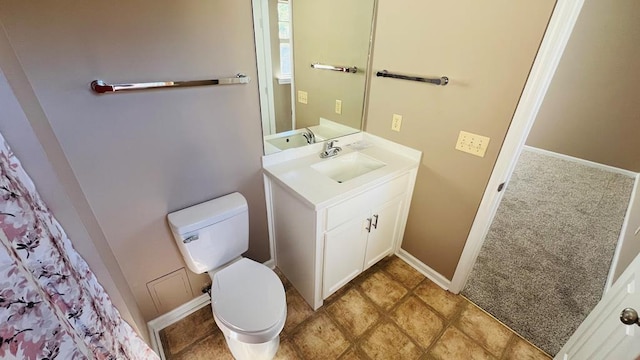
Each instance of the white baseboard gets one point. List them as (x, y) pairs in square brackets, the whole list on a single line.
[(180, 313), (581, 161), (431, 274), (271, 264), (171, 317)]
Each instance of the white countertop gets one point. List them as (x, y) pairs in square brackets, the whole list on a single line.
[(292, 168)]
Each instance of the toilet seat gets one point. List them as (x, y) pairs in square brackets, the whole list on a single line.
[(248, 301)]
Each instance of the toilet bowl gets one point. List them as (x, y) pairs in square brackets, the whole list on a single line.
[(249, 306), (247, 298)]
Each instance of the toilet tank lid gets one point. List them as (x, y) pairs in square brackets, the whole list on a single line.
[(207, 213)]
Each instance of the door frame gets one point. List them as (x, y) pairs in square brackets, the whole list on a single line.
[(554, 42)]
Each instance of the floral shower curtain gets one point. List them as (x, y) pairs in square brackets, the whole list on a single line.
[(51, 304)]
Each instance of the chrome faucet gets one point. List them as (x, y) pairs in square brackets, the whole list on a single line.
[(330, 150), (310, 136)]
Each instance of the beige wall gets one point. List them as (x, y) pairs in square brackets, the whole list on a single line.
[(49, 170), (282, 106), (486, 48), (138, 156), (334, 33), (591, 110)]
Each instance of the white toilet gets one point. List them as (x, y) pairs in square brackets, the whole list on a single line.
[(247, 298)]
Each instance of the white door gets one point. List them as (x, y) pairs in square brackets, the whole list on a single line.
[(602, 335)]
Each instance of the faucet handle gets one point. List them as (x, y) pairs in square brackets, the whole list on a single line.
[(329, 149), (328, 146)]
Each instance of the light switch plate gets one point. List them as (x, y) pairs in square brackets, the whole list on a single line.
[(338, 106), (396, 123), (472, 143), (302, 97)]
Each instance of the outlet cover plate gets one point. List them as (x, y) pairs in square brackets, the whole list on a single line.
[(338, 106), (472, 143), (396, 123), (302, 97)]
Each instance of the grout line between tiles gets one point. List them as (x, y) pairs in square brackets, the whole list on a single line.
[(386, 316), (512, 341), (446, 324), (456, 324), (503, 324)]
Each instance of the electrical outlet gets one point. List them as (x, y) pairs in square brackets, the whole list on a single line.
[(302, 97), (472, 143), (338, 106), (396, 123)]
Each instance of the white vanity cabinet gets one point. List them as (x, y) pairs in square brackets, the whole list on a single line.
[(361, 231), (325, 232)]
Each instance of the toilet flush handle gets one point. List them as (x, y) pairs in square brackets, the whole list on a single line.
[(191, 238)]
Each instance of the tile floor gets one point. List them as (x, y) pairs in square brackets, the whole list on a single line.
[(391, 311)]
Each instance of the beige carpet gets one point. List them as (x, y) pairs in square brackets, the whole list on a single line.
[(544, 263)]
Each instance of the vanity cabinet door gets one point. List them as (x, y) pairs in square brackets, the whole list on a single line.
[(344, 249), (384, 228)]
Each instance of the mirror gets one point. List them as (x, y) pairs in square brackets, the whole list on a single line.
[(301, 103)]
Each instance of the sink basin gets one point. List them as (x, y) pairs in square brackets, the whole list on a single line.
[(346, 167), (288, 142), (290, 139)]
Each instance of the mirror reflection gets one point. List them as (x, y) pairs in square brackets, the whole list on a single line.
[(302, 103)]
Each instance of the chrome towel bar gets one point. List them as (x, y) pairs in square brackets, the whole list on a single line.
[(351, 70), (101, 87), (438, 81)]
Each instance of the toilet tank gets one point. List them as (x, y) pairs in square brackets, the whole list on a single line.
[(212, 233)]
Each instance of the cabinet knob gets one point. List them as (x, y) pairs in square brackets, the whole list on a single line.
[(368, 225)]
